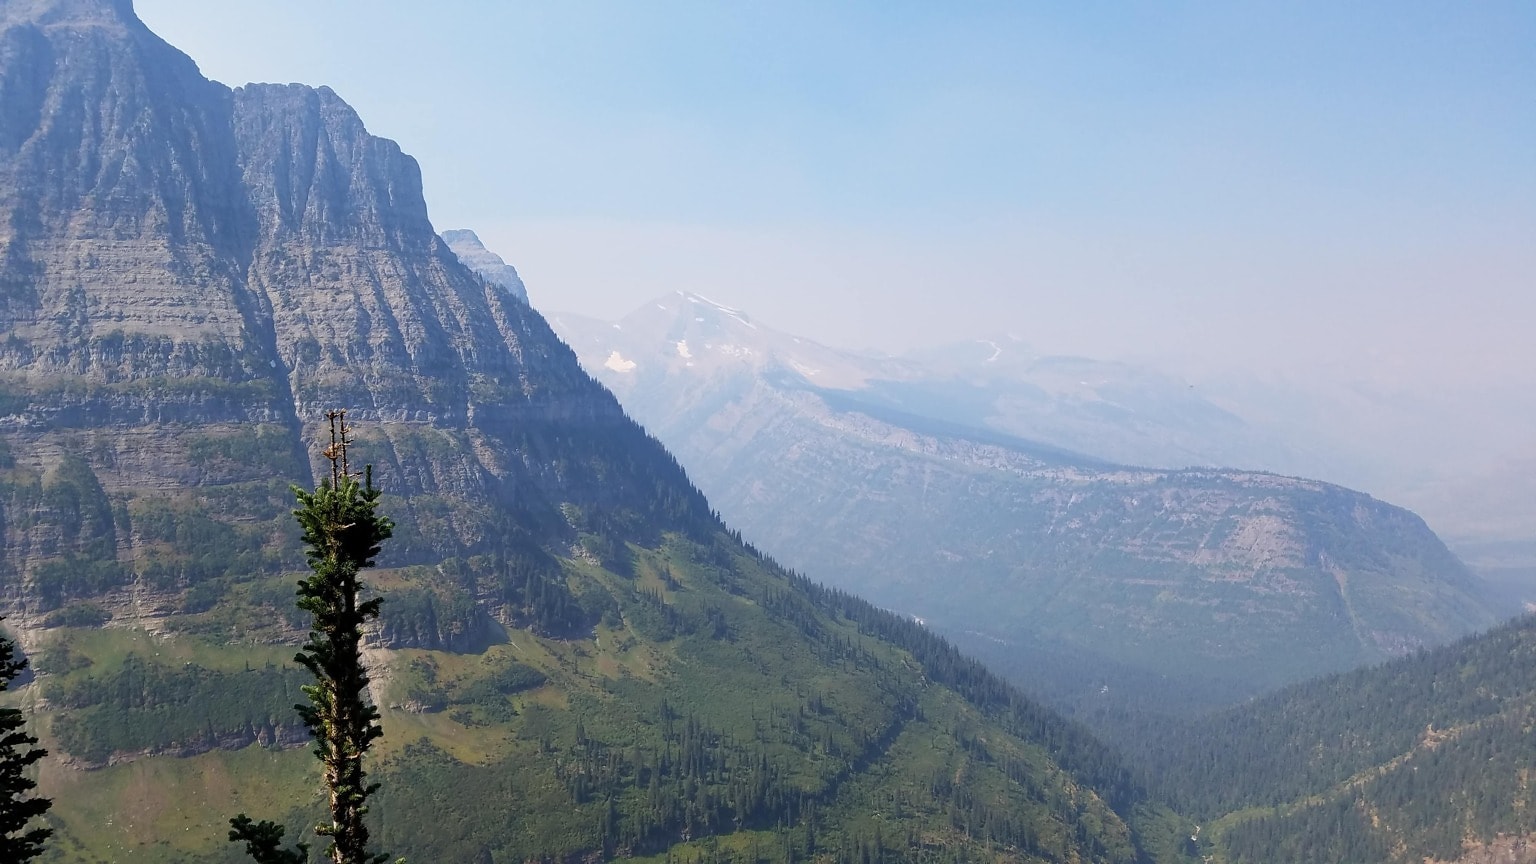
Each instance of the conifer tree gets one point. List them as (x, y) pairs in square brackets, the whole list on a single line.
[(344, 533), (17, 753)]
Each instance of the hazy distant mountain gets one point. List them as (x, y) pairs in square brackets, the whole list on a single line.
[(1396, 445), (467, 246), (1114, 411), (895, 478), (1120, 412)]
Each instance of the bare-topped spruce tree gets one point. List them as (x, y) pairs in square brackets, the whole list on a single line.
[(343, 532)]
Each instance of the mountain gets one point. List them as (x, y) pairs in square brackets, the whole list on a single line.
[(576, 660), (1088, 581), (1426, 758), (1116, 411), (467, 248)]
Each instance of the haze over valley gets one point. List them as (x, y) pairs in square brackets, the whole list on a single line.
[(984, 490)]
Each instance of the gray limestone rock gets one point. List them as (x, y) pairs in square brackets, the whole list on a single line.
[(181, 263), (466, 244)]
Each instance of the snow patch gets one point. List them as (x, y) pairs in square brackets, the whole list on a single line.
[(804, 369), (617, 363), (682, 350), (719, 307)]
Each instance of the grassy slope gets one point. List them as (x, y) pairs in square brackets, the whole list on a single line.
[(844, 728)]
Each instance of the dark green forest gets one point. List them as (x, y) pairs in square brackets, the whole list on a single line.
[(1392, 763)]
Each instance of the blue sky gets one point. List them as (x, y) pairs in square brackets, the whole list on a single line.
[(1251, 184)]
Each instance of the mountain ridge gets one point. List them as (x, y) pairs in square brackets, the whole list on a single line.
[(996, 384), (1215, 582)]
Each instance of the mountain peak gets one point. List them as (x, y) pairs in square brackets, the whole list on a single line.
[(491, 267), (69, 12), (465, 237), (687, 331), (701, 300)]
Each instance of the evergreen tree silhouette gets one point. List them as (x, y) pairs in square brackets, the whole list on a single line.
[(344, 534), (17, 753)]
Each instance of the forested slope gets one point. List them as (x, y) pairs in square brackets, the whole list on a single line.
[(1414, 759)]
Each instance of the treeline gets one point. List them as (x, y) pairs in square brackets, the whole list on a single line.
[(74, 531), (697, 782), (1069, 744), (624, 488), (438, 619), (142, 705), (187, 548), (72, 520), (446, 607)]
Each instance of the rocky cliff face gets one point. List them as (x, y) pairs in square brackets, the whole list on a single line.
[(1179, 588), (181, 262)]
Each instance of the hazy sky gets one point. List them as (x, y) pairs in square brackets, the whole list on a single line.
[(1246, 183)]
